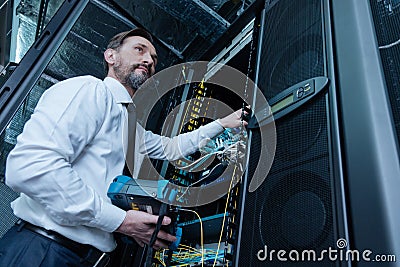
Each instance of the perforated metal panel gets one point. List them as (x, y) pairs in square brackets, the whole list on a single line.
[(386, 16), (293, 207), (296, 207), (292, 48), (7, 216)]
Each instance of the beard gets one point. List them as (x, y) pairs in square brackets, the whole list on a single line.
[(128, 76)]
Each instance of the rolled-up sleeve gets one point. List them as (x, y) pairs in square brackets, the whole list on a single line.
[(166, 148)]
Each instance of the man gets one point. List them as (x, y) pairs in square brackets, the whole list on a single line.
[(68, 154)]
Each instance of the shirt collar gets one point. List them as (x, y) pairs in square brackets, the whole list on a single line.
[(118, 91)]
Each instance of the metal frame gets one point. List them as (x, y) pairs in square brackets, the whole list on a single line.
[(369, 144), (334, 133), (234, 47), (41, 17), (335, 147), (23, 78), (245, 178), (6, 15), (234, 30)]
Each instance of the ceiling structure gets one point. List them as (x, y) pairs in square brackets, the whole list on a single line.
[(184, 30), (189, 27)]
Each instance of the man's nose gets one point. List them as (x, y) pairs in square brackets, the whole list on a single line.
[(148, 59)]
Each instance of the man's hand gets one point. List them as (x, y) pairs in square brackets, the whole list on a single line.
[(233, 120), (141, 225)]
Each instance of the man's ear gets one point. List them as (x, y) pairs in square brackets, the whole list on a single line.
[(109, 56)]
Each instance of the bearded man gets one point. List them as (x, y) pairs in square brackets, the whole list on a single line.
[(70, 151)]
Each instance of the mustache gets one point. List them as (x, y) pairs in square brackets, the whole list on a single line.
[(142, 65)]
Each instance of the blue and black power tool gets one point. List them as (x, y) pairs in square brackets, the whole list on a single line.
[(145, 195)]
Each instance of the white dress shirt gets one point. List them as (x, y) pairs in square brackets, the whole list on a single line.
[(70, 151)]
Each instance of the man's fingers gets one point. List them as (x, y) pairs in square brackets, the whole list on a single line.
[(166, 220), (247, 109), (153, 219), (165, 236), (139, 242), (159, 244)]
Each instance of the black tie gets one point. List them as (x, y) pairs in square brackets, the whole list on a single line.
[(130, 152)]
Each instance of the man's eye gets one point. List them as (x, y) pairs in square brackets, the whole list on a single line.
[(139, 49)]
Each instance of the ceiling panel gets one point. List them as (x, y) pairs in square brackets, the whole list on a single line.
[(187, 27), (184, 29)]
